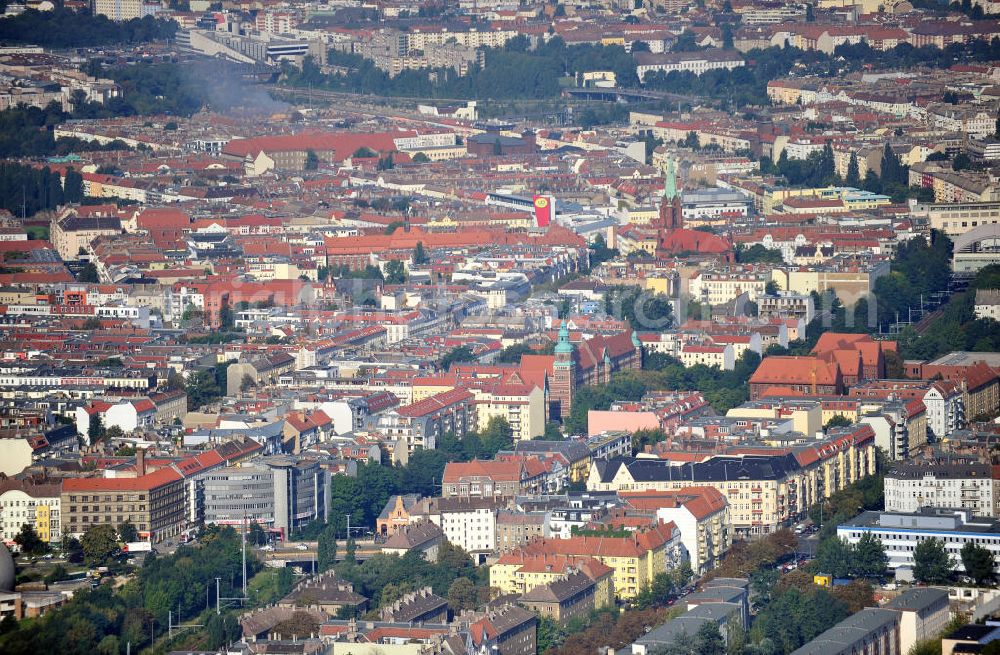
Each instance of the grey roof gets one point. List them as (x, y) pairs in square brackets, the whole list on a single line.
[(672, 629), (717, 594), (558, 590), (856, 628), (572, 450), (413, 536), (918, 599), (409, 500), (727, 582), (413, 607), (716, 469), (717, 612)]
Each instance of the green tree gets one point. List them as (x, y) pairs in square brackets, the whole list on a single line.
[(834, 557), (870, 560), (350, 551), (312, 160), (395, 272), (853, 177), (127, 532), (420, 158), (979, 562), (462, 595), (95, 430), (326, 549), (29, 542), (419, 255), (497, 435), (708, 640), (100, 543), (88, 273), (73, 186), (457, 354), (931, 562), (838, 421), (72, 549)]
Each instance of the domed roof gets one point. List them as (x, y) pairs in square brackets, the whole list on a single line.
[(7, 572)]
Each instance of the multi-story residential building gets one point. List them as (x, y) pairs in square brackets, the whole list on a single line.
[(785, 304), (23, 502), (423, 423), (764, 492), (700, 513), (719, 287), (955, 218), (509, 630), (152, 502), (924, 614), (122, 10), (71, 233), (941, 483), (976, 120), (978, 372), (523, 406), (482, 479), (516, 528), (988, 304), (900, 427), (636, 558), (469, 523), (259, 371), (518, 572), (712, 355), (562, 600), (872, 630), (945, 403)]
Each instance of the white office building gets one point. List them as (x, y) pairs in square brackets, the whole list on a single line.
[(901, 532)]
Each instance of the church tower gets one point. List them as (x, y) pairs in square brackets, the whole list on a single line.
[(671, 214), (563, 374)]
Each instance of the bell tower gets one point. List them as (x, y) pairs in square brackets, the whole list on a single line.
[(563, 373), (671, 215)]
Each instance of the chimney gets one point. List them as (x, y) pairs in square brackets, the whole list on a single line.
[(140, 462)]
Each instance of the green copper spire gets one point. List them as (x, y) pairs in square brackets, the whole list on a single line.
[(564, 346), (670, 182)]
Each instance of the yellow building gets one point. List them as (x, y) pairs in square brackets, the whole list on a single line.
[(518, 573), (635, 558), (806, 416)]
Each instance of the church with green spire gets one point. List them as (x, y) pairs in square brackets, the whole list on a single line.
[(671, 214)]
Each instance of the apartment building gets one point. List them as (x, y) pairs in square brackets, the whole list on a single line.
[(23, 502), (718, 288), (423, 423), (764, 492), (153, 503), (482, 479), (941, 483), (700, 513), (636, 558)]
